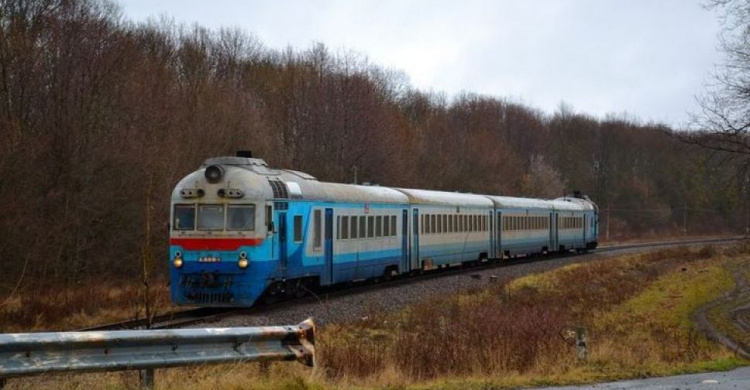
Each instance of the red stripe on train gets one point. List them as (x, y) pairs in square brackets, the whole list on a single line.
[(220, 244)]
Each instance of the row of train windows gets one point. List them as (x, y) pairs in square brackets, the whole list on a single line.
[(443, 223), (365, 226), (571, 223), (511, 223), (355, 227)]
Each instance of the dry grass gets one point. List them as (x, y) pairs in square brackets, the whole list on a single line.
[(50, 308), (283, 376), (636, 310)]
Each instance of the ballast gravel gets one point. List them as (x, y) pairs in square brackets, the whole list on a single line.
[(362, 301)]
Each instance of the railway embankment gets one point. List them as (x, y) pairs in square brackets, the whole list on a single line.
[(636, 312)]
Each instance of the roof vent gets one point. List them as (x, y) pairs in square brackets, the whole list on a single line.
[(280, 190), (244, 153)]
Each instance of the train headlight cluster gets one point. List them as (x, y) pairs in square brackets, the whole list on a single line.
[(177, 262), (243, 262), (214, 173)]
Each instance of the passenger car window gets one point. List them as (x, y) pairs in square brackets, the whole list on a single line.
[(344, 227), (353, 227), (316, 230), (297, 228)]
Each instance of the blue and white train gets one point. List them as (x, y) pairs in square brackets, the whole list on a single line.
[(241, 230)]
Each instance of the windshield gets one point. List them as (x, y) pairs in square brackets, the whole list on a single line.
[(210, 217), (240, 217), (184, 217)]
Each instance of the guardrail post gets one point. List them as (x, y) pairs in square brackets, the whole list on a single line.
[(263, 369), (147, 378), (581, 343)]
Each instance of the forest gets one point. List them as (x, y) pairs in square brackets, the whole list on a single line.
[(100, 117)]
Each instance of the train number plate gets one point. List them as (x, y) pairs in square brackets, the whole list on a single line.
[(209, 259)]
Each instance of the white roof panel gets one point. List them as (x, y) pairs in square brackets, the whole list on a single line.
[(441, 198), (570, 203), (312, 189), (508, 202)]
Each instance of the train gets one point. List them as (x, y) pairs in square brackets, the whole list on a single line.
[(241, 231)]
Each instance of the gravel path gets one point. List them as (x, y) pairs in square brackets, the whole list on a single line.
[(738, 379), (740, 298)]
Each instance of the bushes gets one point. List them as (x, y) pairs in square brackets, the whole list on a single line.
[(635, 317)]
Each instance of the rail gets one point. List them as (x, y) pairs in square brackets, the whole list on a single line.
[(25, 354)]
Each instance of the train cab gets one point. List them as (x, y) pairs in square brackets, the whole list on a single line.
[(219, 249)]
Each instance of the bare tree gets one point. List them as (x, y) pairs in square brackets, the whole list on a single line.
[(542, 180), (723, 123)]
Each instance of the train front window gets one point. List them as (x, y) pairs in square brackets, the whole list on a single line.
[(184, 217), (240, 217), (211, 217)]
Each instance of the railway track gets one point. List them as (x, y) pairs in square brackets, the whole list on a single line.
[(169, 320), (201, 315)]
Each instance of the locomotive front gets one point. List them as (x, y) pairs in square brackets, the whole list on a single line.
[(219, 254)]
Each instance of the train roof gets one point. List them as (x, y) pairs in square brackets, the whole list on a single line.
[(260, 181), (315, 190), (562, 204), (304, 186), (574, 203), (508, 202), (442, 198)]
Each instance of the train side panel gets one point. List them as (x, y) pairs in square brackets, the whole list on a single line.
[(366, 241), (450, 235), (524, 231)]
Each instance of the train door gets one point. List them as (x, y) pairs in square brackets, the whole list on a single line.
[(552, 232), (283, 261), (415, 239), (404, 241), (271, 230), (585, 227), (499, 235), (491, 221), (327, 277)]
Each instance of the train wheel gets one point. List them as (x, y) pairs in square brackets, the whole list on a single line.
[(387, 273)]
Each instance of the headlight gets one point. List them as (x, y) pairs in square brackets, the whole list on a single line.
[(214, 173), (177, 262), (242, 263)]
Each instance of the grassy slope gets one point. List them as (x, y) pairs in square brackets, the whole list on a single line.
[(636, 310)]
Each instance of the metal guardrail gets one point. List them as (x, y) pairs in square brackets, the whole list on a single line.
[(24, 354)]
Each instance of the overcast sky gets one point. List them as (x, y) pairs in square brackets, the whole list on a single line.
[(649, 58)]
